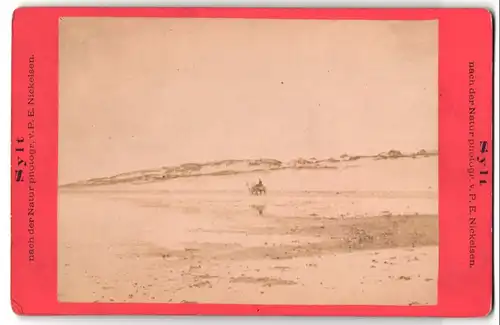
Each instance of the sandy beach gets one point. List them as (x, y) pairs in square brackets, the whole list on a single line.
[(204, 239)]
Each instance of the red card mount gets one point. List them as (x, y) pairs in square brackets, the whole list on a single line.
[(464, 282)]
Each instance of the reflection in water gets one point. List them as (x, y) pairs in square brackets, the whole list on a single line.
[(259, 208)]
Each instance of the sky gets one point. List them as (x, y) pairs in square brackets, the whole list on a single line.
[(139, 93)]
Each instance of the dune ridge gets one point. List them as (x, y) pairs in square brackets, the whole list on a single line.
[(240, 166)]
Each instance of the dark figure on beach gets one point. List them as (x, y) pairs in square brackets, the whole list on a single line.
[(257, 189)]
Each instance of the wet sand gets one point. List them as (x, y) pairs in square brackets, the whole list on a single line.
[(367, 234)]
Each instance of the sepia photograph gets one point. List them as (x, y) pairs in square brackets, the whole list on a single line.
[(248, 161)]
